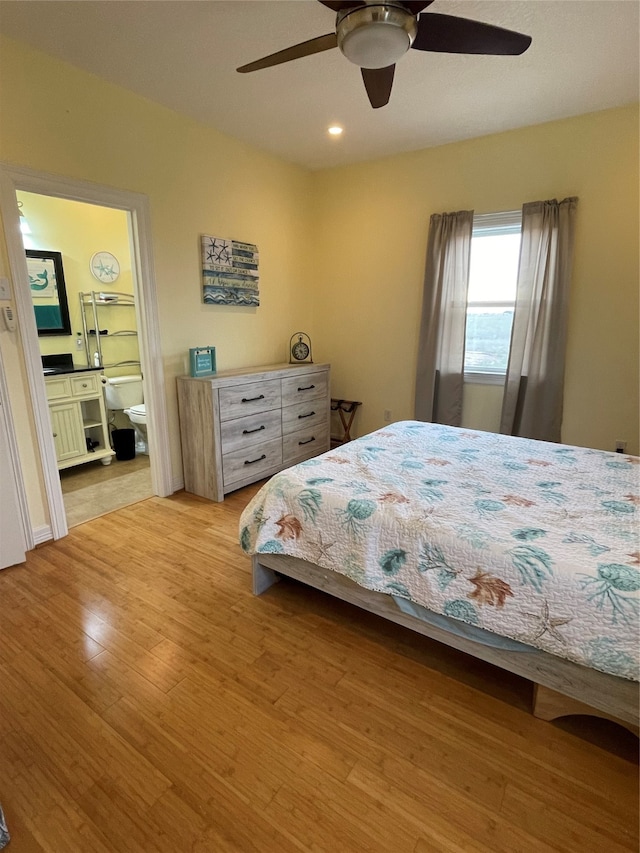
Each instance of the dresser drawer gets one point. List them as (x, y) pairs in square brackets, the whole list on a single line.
[(85, 385), (251, 462), (249, 398), (304, 444), (250, 430), (306, 415), (310, 386)]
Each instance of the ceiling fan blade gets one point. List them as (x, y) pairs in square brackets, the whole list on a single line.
[(305, 48), (414, 6), (339, 5), (378, 83), (448, 34)]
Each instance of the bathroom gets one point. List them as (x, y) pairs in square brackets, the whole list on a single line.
[(93, 243)]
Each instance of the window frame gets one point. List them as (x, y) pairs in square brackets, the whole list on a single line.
[(491, 225)]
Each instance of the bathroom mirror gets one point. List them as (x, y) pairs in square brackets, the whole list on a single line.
[(48, 291)]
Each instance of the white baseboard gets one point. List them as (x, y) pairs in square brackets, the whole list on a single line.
[(177, 485), (42, 534)]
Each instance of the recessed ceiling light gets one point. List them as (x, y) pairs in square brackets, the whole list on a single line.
[(335, 130)]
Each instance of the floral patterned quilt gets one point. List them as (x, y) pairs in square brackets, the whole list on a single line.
[(534, 541)]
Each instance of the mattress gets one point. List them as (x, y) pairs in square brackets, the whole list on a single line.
[(533, 541)]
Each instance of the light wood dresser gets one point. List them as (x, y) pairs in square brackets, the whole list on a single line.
[(239, 426)]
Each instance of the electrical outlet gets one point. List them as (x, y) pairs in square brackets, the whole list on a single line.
[(621, 446), (387, 416)]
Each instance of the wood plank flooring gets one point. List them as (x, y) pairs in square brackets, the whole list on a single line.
[(148, 702)]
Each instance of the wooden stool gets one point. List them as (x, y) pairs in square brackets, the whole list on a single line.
[(346, 409)]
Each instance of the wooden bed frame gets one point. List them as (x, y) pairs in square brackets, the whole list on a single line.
[(561, 687)]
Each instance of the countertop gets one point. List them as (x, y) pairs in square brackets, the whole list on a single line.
[(50, 371)]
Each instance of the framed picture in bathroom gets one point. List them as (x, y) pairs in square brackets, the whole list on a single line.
[(48, 291)]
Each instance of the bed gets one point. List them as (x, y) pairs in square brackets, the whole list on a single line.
[(519, 552)]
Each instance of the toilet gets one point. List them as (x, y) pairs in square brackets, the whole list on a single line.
[(138, 417), (125, 394)]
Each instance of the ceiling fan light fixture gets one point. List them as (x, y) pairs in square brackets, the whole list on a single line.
[(376, 36)]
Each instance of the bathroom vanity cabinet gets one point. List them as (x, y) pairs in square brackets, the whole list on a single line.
[(78, 418), (239, 426)]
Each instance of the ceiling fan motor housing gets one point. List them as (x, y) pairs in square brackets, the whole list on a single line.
[(375, 35)]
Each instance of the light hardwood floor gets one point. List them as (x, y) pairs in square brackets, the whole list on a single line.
[(148, 702)]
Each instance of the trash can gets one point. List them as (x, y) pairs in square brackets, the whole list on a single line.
[(124, 443)]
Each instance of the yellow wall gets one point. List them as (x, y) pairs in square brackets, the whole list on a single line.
[(78, 231), (341, 250), (370, 233), (57, 119)]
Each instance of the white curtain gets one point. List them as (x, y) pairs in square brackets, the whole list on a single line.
[(534, 385), (440, 372)]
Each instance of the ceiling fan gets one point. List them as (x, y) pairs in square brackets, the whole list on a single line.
[(375, 35)]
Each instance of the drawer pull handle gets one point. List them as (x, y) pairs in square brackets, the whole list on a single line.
[(84, 385), (307, 388), (308, 415), (55, 435), (252, 399), (252, 461), (308, 441), (249, 431)]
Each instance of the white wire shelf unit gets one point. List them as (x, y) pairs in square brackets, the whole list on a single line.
[(96, 332)]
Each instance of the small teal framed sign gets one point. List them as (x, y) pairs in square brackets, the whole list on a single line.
[(202, 361)]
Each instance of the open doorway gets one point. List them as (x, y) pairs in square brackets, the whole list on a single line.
[(83, 287), (34, 454)]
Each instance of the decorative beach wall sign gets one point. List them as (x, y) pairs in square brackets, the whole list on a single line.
[(229, 272)]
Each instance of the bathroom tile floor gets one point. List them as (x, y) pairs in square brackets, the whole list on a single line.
[(81, 476), (93, 489)]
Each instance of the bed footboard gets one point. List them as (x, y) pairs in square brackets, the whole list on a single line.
[(550, 705)]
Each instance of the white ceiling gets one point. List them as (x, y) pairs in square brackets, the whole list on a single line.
[(183, 54)]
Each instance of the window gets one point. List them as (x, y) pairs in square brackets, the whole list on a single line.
[(493, 273)]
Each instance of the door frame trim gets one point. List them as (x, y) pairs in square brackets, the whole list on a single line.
[(6, 422), (13, 178)]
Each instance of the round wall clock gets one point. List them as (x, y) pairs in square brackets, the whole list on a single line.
[(105, 267), (300, 348)]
